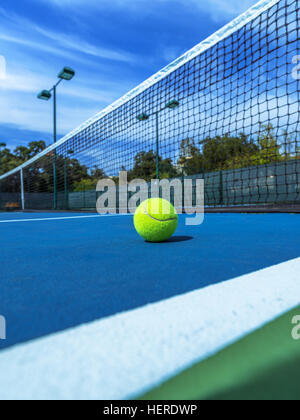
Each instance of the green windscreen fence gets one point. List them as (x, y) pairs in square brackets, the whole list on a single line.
[(10, 192), (226, 112)]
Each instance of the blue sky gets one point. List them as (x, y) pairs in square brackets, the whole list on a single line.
[(112, 44)]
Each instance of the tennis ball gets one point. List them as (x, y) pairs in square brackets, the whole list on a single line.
[(156, 220)]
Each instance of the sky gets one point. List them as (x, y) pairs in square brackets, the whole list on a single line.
[(113, 45)]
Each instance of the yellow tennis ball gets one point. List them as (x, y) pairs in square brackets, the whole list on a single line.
[(156, 220)]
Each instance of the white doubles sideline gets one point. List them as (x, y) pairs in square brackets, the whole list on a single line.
[(126, 354), (46, 219)]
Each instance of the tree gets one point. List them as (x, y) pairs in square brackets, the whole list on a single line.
[(191, 160), (33, 149), (229, 152), (87, 182), (145, 167), (38, 177), (85, 185), (2, 148), (269, 149), (215, 153)]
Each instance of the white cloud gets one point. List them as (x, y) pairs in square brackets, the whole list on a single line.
[(22, 83), (19, 30), (33, 82), (77, 102), (26, 75), (38, 117), (75, 44), (83, 98), (35, 45), (219, 10)]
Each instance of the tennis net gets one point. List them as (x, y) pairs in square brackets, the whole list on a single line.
[(227, 112)]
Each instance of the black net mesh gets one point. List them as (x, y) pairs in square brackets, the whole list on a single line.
[(236, 125)]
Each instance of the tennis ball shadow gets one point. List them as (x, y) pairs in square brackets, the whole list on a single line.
[(174, 239), (180, 239)]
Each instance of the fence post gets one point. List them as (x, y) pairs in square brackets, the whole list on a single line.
[(22, 189)]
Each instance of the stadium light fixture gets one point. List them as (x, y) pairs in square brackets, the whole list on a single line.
[(172, 104), (66, 74), (45, 95), (143, 117)]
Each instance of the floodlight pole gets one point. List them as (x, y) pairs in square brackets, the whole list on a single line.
[(66, 74), (66, 183), (54, 153), (54, 113), (157, 145), (66, 179), (22, 189), (54, 140), (143, 117), (1, 146)]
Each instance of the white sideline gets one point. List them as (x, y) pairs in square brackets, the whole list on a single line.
[(126, 354), (61, 218)]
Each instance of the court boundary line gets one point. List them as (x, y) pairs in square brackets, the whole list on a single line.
[(172, 335), (62, 218)]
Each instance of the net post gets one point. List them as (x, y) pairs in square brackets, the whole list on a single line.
[(22, 189)]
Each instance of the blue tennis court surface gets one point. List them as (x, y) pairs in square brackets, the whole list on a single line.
[(60, 271)]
